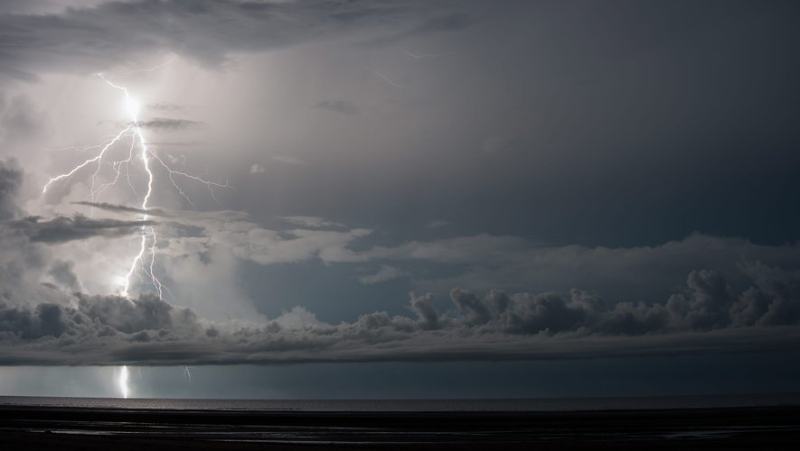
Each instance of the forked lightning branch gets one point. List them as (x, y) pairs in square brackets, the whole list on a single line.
[(136, 156)]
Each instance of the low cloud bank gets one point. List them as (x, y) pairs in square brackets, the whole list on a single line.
[(706, 316)]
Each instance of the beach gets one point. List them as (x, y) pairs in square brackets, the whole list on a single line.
[(48, 427)]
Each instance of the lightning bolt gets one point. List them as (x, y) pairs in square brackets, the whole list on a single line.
[(133, 109), (122, 381), (424, 55), (387, 79), (144, 260)]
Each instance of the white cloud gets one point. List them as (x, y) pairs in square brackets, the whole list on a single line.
[(384, 274), (250, 242), (313, 222), (437, 224)]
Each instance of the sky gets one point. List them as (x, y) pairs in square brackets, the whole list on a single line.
[(404, 198)]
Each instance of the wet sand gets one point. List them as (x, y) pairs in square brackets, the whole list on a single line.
[(59, 428)]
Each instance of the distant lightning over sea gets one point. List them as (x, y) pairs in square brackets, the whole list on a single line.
[(387, 79), (122, 381), (144, 260), (424, 55)]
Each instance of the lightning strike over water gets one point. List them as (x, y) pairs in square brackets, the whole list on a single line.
[(145, 258), (387, 79), (122, 380), (424, 55)]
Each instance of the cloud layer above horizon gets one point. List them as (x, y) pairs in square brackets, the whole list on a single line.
[(399, 181)]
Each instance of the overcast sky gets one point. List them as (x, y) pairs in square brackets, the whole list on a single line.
[(308, 191)]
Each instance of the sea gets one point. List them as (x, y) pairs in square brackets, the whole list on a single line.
[(420, 405)]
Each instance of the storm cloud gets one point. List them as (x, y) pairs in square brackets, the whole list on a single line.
[(95, 38), (78, 227), (59, 229), (54, 230), (706, 316), (170, 124), (122, 208), (10, 181)]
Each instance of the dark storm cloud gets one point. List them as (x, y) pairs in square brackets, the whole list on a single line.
[(425, 310), (190, 217), (168, 107), (448, 22), (20, 260), (122, 208), (707, 315), (174, 143), (96, 317), (52, 231), (62, 229), (91, 39), (339, 106), (161, 123), (62, 272), (10, 182), (482, 262)]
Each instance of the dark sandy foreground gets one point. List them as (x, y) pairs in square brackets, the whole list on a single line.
[(58, 428)]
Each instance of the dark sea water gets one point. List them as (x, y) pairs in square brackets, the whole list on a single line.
[(450, 405), (636, 423)]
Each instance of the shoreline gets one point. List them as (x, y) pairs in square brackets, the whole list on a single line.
[(554, 404), (37, 427)]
